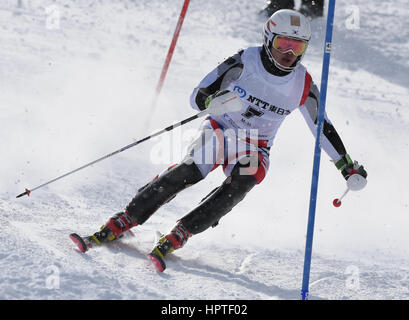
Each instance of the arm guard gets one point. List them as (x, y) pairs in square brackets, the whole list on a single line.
[(331, 142)]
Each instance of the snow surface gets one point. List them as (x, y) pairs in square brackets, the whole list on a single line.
[(73, 92)]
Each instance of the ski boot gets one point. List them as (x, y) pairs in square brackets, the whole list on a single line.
[(114, 229), (167, 244), (157, 255), (102, 236)]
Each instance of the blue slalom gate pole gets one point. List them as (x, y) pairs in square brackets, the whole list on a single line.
[(317, 151)]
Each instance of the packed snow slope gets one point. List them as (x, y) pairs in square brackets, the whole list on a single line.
[(77, 80)]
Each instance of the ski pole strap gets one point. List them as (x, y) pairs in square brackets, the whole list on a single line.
[(342, 163)]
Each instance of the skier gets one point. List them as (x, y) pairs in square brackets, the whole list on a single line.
[(271, 82), (311, 9)]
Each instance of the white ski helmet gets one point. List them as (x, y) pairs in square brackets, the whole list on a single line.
[(287, 23)]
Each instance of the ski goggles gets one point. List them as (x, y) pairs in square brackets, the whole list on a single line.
[(286, 44)]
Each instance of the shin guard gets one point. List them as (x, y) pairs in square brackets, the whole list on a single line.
[(162, 189), (219, 202)]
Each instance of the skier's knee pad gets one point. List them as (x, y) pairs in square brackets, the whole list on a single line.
[(219, 202), (162, 189)]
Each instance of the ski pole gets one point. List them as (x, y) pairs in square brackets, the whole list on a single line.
[(200, 114), (226, 103), (355, 182), (337, 202)]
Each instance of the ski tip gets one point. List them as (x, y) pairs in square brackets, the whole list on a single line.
[(158, 236), (131, 233), (79, 242), (157, 262)]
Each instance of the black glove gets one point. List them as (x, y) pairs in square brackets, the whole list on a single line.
[(349, 167)]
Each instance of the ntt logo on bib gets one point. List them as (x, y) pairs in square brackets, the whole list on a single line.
[(240, 91)]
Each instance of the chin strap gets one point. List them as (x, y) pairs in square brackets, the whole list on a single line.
[(270, 66), (282, 68)]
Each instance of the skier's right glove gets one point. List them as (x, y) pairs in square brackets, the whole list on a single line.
[(349, 167), (214, 95), (222, 102)]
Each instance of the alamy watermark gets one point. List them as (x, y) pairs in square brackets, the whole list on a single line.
[(352, 21), (52, 281), (210, 147), (352, 280)]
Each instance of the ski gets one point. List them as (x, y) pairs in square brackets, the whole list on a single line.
[(157, 255), (85, 243), (157, 261)]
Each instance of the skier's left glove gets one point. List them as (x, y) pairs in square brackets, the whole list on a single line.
[(349, 167)]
